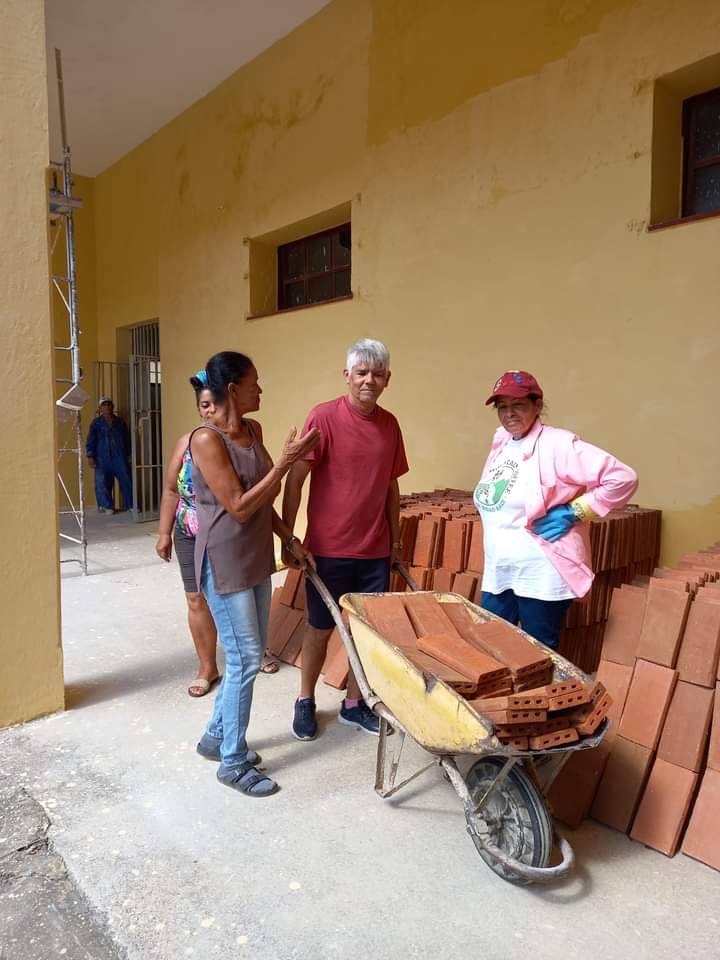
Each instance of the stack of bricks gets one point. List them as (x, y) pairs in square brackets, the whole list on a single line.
[(503, 675), (442, 540), (623, 545), (289, 625), (660, 663)]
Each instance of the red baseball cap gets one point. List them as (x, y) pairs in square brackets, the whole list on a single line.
[(515, 383)]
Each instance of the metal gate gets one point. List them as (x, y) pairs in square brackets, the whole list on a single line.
[(146, 420)]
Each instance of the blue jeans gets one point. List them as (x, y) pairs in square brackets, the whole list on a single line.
[(241, 620), (542, 619)]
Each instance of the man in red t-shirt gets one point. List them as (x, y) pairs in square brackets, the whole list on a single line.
[(353, 514)]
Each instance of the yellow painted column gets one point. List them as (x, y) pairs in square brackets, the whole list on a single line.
[(31, 677)]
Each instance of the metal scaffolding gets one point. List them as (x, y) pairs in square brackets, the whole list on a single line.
[(73, 397)]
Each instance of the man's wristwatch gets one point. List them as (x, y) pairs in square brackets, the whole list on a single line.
[(397, 545), (289, 543)]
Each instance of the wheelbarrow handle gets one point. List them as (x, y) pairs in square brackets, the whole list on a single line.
[(345, 635)]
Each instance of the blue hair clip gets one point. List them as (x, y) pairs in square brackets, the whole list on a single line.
[(201, 375)]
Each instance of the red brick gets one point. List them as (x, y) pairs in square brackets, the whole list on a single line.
[(530, 729), (546, 740), (573, 790), (647, 703), (289, 587), (506, 644), (278, 613), (624, 625), (427, 616), (443, 580), (505, 717), (430, 667), (465, 584), (698, 658), (574, 698), (622, 784), (425, 538), (453, 553), (663, 626), (287, 628), (337, 672), (515, 743), (687, 726), (476, 553), (702, 840), (616, 678), (389, 617), (587, 719), (461, 656), (713, 760), (293, 648), (664, 807), (517, 702)]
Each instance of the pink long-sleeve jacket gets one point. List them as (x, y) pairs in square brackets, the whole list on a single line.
[(566, 468)]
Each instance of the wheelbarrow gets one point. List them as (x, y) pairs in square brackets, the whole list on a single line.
[(502, 789)]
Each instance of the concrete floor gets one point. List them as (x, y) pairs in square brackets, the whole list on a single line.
[(181, 866)]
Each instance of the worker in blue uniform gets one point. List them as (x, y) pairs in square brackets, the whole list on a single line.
[(108, 450)]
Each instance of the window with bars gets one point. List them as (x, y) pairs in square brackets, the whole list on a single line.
[(701, 166), (315, 269)]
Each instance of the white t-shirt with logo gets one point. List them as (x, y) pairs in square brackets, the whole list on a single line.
[(513, 560)]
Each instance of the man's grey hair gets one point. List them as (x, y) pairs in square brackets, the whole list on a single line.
[(370, 352)]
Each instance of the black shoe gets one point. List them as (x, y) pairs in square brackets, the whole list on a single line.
[(304, 726), (361, 717)]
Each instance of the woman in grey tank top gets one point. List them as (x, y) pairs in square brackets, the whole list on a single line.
[(235, 484)]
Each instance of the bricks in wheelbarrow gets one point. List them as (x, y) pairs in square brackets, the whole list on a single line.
[(551, 725), (622, 784), (546, 740), (664, 807), (525, 701), (511, 717), (427, 616), (504, 643), (587, 719), (389, 617), (431, 667), (515, 743), (461, 656)]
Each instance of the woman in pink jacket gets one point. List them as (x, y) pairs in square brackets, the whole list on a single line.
[(539, 487)]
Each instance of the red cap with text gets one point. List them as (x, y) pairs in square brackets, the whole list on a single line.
[(515, 383)]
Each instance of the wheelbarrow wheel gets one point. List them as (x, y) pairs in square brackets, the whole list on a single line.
[(514, 818)]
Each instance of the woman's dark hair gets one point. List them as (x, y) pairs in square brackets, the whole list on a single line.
[(225, 368)]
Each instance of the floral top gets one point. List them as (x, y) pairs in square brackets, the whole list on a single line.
[(186, 521)]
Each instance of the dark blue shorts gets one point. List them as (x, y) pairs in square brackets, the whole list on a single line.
[(344, 575)]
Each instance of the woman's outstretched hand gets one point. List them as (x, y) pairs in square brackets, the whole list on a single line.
[(296, 447)]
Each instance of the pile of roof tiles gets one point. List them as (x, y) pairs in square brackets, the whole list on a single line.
[(656, 774)]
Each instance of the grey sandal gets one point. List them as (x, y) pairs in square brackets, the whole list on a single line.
[(209, 748), (246, 779)]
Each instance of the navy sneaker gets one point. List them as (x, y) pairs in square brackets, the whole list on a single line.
[(361, 717), (304, 726)]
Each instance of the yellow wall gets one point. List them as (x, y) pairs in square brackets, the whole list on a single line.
[(30, 652), (84, 220), (497, 158)]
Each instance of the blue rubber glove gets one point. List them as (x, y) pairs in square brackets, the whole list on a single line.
[(556, 522)]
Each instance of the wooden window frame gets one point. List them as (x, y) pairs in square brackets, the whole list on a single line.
[(690, 166), (305, 277)]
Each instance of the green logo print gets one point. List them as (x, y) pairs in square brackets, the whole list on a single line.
[(492, 491)]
